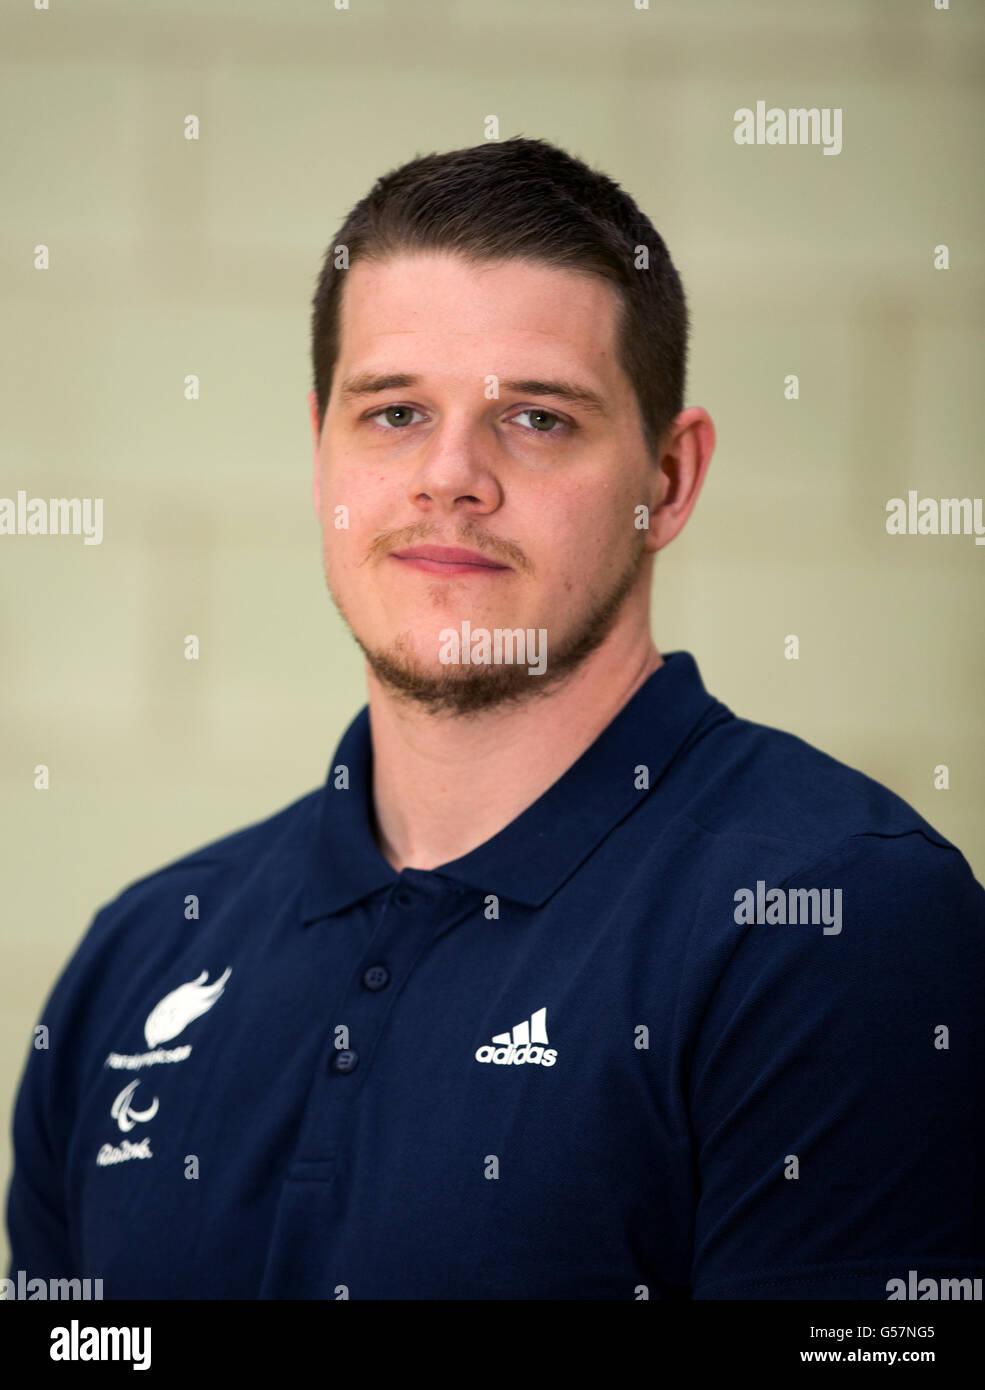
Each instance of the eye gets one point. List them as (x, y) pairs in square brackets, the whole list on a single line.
[(393, 416), (544, 421)]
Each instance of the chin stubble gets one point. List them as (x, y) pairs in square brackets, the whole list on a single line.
[(469, 690)]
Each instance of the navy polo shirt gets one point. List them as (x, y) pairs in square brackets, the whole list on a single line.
[(704, 1021)]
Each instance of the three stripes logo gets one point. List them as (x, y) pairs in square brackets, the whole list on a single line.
[(525, 1044)]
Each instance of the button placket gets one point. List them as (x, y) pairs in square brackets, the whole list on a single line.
[(344, 1071)]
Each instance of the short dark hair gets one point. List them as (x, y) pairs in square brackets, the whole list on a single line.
[(524, 199)]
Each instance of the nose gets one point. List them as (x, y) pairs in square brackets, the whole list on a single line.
[(453, 473)]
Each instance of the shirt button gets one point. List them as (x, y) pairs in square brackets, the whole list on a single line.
[(376, 977), (403, 897), (345, 1061)]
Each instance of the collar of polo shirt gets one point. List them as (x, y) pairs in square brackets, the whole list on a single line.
[(529, 859)]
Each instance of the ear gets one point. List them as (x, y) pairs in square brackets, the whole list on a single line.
[(687, 452), (316, 476)]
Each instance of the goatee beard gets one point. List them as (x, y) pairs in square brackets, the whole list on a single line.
[(470, 689)]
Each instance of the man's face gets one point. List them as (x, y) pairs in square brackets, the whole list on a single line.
[(475, 449)]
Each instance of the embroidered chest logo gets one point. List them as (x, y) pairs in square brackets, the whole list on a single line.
[(165, 1021), (524, 1044), (126, 1117), (169, 1018), (177, 1009), (123, 1112)]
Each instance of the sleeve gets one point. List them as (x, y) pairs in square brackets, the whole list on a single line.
[(835, 1086), (41, 1241), (36, 1218)]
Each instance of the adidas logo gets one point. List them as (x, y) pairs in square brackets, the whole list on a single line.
[(524, 1045)]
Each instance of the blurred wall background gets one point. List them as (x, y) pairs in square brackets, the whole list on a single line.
[(171, 257)]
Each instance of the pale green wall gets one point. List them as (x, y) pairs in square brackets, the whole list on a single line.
[(170, 257)]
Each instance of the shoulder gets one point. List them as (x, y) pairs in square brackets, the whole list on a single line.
[(246, 850), (146, 923), (750, 787)]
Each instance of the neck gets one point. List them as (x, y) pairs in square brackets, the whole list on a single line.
[(444, 784)]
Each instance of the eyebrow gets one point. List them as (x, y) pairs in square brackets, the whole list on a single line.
[(371, 383)]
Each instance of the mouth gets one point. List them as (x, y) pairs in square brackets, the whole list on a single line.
[(447, 560)]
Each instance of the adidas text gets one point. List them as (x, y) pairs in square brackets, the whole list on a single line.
[(509, 1054)]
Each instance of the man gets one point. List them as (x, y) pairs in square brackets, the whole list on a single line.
[(568, 983)]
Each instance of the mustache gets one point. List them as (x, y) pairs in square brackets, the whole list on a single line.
[(468, 535)]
